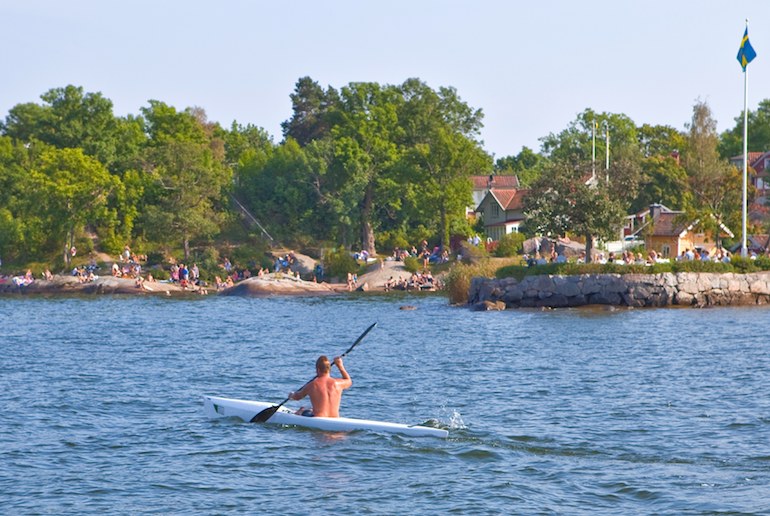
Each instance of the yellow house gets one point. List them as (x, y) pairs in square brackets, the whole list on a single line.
[(666, 232)]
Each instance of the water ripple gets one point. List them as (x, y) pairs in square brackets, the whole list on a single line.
[(565, 411)]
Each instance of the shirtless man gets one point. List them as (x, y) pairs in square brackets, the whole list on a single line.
[(325, 392)]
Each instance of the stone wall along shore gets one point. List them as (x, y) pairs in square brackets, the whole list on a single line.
[(697, 289)]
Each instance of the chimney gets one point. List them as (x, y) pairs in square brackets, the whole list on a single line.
[(655, 210), (675, 155), (490, 181)]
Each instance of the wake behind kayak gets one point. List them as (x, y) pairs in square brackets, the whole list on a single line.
[(216, 407)]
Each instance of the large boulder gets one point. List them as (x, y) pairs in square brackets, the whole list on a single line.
[(283, 285)]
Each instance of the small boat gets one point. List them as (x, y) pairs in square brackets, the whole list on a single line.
[(246, 410)]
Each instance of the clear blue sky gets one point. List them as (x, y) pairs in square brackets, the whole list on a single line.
[(531, 67)]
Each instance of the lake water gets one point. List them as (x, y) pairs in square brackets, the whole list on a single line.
[(585, 411)]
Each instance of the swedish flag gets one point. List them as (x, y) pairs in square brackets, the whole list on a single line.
[(746, 53)]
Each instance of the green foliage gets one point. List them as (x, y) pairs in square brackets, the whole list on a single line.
[(338, 263), (70, 118), (208, 258), (738, 265), (313, 112), (561, 202), (731, 142), (715, 183), (71, 191), (510, 245), (391, 160), (666, 183), (389, 240), (155, 258), (458, 279), (189, 183), (11, 235), (660, 141), (412, 264), (527, 165)]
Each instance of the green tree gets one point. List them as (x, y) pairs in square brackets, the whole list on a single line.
[(527, 165), (69, 118), (715, 183), (12, 178), (660, 141), (278, 187), (731, 142), (442, 151), (666, 183), (71, 192), (187, 192), (187, 179), (164, 123), (313, 112), (575, 145), (560, 202), (365, 149)]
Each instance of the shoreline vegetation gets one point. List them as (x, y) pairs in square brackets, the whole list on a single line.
[(361, 169)]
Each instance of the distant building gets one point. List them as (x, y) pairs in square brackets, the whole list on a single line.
[(503, 211), (758, 172), (482, 185), (669, 232)]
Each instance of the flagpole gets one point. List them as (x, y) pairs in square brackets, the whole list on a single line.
[(744, 248), (593, 149), (607, 150)]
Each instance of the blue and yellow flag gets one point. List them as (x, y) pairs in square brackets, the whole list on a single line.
[(746, 53)]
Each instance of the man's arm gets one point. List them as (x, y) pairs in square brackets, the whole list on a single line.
[(298, 395), (345, 381)]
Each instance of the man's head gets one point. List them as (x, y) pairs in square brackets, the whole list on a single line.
[(322, 365)]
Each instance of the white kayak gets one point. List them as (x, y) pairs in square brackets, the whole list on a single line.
[(245, 410)]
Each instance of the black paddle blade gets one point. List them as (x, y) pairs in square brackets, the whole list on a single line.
[(266, 414)]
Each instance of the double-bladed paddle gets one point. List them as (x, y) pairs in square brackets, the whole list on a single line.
[(266, 414)]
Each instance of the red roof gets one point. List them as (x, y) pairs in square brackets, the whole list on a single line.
[(755, 160), (509, 198), (482, 182)]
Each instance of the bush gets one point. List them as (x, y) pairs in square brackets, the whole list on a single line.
[(155, 258), (412, 264), (338, 263), (510, 245), (458, 280), (738, 265), (470, 253), (391, 239)]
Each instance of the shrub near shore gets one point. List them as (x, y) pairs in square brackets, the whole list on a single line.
[(458, 280), (738, 265)]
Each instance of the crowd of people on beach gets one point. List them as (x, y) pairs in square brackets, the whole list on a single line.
[(130, 265), (628, 257), (417, 281), (428, 256)]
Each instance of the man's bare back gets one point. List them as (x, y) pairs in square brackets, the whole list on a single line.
[(325, 392)]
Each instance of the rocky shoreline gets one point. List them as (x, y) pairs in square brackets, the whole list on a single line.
[(633, 290), (63, 285)]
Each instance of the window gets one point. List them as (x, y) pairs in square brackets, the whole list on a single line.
[(665, 251), (495, 209)]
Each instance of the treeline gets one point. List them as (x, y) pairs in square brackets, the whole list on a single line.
[(365, 162), (369, 165)]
